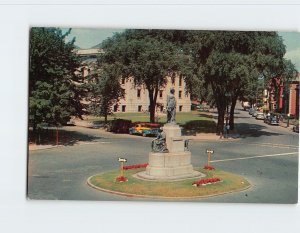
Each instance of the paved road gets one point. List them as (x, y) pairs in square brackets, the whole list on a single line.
[(266, 155)]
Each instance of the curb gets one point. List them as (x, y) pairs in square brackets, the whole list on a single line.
[(161, 197)]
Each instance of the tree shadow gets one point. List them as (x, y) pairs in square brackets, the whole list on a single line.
[(198, 126), (204, 115), (235, 117), (247, 130), (65, 137)]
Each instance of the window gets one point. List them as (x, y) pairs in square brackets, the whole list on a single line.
[(180, 108), (173, 80), (180, 81), (139, 108), (160, 94), (139, 93), (123, 108), (123, 80), (180, 94), (161, 108), (116, 108)]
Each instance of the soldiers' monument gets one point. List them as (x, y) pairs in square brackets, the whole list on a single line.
[(170, 158)]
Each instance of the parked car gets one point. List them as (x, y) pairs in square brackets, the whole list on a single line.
[(119, 126), (296, 128), (260, 116), (254, 114), (251, 111), (267, 118), (144, 129), (273, 120)]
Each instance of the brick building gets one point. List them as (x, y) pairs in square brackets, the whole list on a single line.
[(136, 97)]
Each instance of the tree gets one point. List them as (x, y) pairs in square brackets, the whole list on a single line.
[(104, 89), (54, 93), (143, 55)]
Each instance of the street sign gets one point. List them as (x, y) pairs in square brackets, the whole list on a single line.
[(122, 160), (209, 151)]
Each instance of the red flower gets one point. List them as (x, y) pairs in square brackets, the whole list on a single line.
[(206, 181), (207, 167), (135, 166), (121, 179)]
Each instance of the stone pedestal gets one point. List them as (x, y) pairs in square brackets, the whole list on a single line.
[(173, 131), (175, 164)]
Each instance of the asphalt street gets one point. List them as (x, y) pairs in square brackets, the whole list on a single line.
[(265, 155)]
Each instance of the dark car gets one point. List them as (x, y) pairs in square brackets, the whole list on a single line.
[(267, 117), (296, 128), (119, 126), (273, 120)]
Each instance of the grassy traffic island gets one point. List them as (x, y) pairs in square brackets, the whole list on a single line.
[(216, 182)]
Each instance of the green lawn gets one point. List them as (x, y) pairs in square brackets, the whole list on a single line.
[(230, 183)]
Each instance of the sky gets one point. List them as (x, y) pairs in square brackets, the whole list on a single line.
[(89, 37)]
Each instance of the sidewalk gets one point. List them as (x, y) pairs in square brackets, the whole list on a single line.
[(284, 125), (33, 147)]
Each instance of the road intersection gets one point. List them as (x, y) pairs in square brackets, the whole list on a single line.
[(265, 155)]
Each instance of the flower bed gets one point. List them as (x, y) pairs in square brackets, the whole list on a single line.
[(208, 167), (121, 179), (206, 181), (135, 166)]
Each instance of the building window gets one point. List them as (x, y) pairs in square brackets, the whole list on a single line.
[(173, 80), (116, 108), (123, 108), (161, 108), (180, 108), (180, 81), (139, 93), (180, 94), (160, 94), (123, 81), (139, 108)]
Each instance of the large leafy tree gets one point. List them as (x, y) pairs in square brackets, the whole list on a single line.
[(54, 90), (144, 55), (229, 63), (104, 89)]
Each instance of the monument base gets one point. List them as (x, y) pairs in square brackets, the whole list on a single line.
[(169, 166), (194, 175)]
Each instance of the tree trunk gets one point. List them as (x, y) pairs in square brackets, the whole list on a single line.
[(231, 117), (105, 118), (152, 97), (220, 124), (151, 106), (221, 106)]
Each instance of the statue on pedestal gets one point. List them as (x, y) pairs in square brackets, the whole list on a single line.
[(171, 107)]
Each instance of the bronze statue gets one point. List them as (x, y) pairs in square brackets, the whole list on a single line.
[(159, 143), (171, 106)]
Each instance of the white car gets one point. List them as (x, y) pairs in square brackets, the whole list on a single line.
[(260, 116)]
